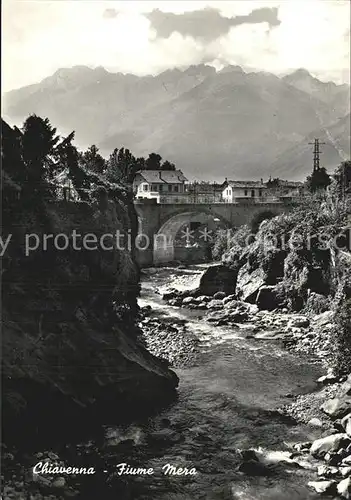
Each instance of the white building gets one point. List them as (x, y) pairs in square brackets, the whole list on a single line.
[(162, 185), (238, 190)]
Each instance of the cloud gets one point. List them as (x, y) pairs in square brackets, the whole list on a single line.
[(207, 24), (110, 13), (42, 36)]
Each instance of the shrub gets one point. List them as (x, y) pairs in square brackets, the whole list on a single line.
[(342, 337), (259, 218), (229, 244)]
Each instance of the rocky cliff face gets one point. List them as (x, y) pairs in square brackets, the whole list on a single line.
[(71, 346), (295, 260)]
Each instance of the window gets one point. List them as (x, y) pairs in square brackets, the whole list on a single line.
[(161, 187), (252, 193), (169, 187), (154, 187), (260, 192), (245, 192), (145, 187), (176, 189)]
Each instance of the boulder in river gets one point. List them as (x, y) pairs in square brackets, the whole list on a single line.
[(337, 407), (328, 444), (254, 468), (218, 278), (215, 304), (232, 304), (344, 488), (169, 294), (187, 301), (249, 283), (346, 387), (346, 424), (267, 298), (323, 487)]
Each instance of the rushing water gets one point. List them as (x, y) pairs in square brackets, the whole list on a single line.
[(228, 401)]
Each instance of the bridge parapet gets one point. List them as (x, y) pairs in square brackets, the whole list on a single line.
[(186, 199)]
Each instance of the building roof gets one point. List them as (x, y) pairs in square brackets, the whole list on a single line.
[(289, 184), (292, 183), (245, 184), (205, 187), (163, 176)]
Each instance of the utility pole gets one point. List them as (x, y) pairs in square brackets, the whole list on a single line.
[(316, 153)]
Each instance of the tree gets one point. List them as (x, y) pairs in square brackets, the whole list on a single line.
[(122, 166), (342, 178), (11, 152), (139, 164), (318, 180), (153, 162), (93, 161), (79, 178), (167, 165), (38, 143)]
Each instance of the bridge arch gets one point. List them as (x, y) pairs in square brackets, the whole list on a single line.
[(164, 249)]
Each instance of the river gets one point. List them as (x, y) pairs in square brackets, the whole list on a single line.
[(227, 401), (229, 398)]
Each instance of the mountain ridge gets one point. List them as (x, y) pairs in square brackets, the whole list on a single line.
[(208, 122)]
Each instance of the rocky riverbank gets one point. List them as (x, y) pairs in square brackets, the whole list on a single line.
[(308, 334), (169, 340)]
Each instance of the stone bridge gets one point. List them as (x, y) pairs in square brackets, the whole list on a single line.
[(160, 223)]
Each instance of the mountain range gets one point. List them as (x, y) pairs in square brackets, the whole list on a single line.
[(211, 124)]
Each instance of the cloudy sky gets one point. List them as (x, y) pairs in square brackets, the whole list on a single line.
[(147, 37)]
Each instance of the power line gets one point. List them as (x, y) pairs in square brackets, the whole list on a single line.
[(316, 154)]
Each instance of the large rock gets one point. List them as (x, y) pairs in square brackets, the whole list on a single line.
[(214, 316), (249, 283), (299, 322), (169, 294), (217, 278), (328, 444), (346, 387), (327, 471), (323, 487), (187, 300), (323, 319), (317, 303), (346, 424), (337, 407), (254, 468), (267, 298), (232, 304), (215, 304), (344, 488)]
